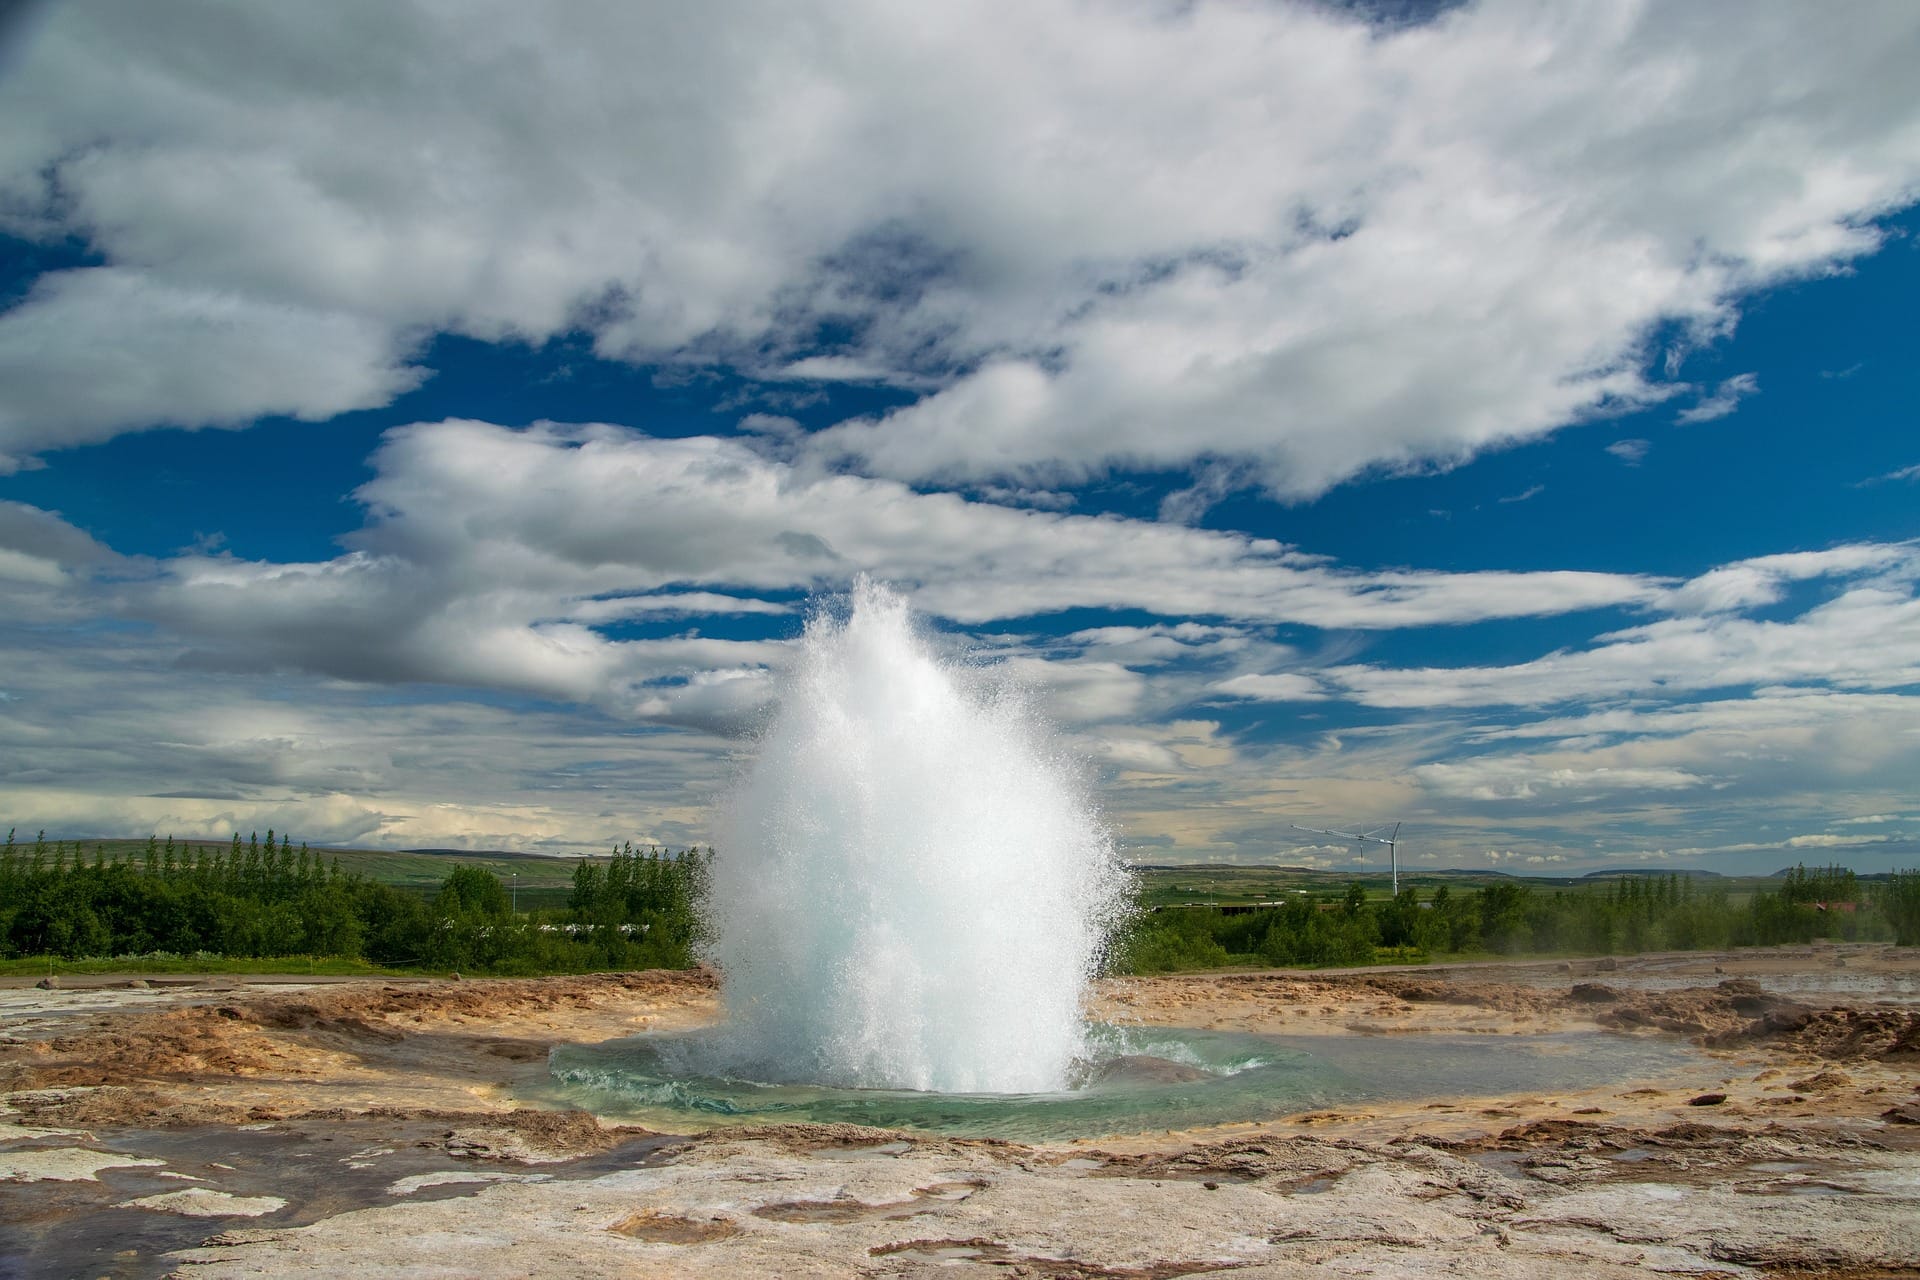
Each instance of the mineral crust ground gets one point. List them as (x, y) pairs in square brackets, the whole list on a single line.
[(227, 1126)]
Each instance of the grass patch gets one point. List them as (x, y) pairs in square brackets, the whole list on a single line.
[(133, 966)]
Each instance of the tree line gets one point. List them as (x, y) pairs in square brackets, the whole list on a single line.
[(255, 899), (642, 908), (1508, 917)]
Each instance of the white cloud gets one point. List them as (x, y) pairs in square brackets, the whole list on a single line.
[(39, 547), (1724, 400), (1867, 637), (1269, 235), (669, 604), (1042, 499), (1079, 692), (1631, 452), (1495, 857), (1160, 644), (90, 352), (1290, 686), (1507, 778), (1828, 840), (1903, 473), (103, 734), (491, 555), (835, 369), (1762, 580)]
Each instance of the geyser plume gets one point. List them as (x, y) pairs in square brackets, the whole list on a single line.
[(912, 890)]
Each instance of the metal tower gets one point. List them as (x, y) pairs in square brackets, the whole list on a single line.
[(1391, 840)]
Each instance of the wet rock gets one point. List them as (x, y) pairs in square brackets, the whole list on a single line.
[(303, 1016), (1707, 1100), (1907, 1114), (1592, 993), (463, 1147), (48, 983), (1752, 1005), (1680, 1026)]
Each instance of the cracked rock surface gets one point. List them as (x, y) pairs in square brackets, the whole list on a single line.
[(764, 1206)]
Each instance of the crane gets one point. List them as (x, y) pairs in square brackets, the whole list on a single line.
[(1391, 840)]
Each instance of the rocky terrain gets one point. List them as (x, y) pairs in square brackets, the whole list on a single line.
[(391, 1128)]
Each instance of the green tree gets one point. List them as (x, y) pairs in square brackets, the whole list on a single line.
[(1503, 915), (1899, 901), (472, 891)]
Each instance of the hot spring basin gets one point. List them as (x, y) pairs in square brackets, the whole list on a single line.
[(1140, 1078)]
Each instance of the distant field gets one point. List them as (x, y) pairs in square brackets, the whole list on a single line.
[(533, 871), (543, 881), (1227, 886)]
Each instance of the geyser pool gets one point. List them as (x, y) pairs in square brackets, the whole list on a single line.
[(913, 889), (1136, 1078)]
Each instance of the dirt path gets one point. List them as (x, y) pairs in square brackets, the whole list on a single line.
[(379, 1128)]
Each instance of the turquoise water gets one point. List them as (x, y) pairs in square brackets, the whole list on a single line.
[(1142, 1078)]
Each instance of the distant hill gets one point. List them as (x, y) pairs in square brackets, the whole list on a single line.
[(1614, 873), (1364, 871), (1190, 868), (489, 854)]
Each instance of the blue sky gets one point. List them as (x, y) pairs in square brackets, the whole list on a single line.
[(430, 431)]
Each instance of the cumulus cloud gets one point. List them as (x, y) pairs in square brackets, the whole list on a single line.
[(1274, 236), (91, 352), (494, 558), (523, 562), (103, 734), (39, 547)]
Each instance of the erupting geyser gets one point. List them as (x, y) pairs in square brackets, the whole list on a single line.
[(911, 894), (912, 890)]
